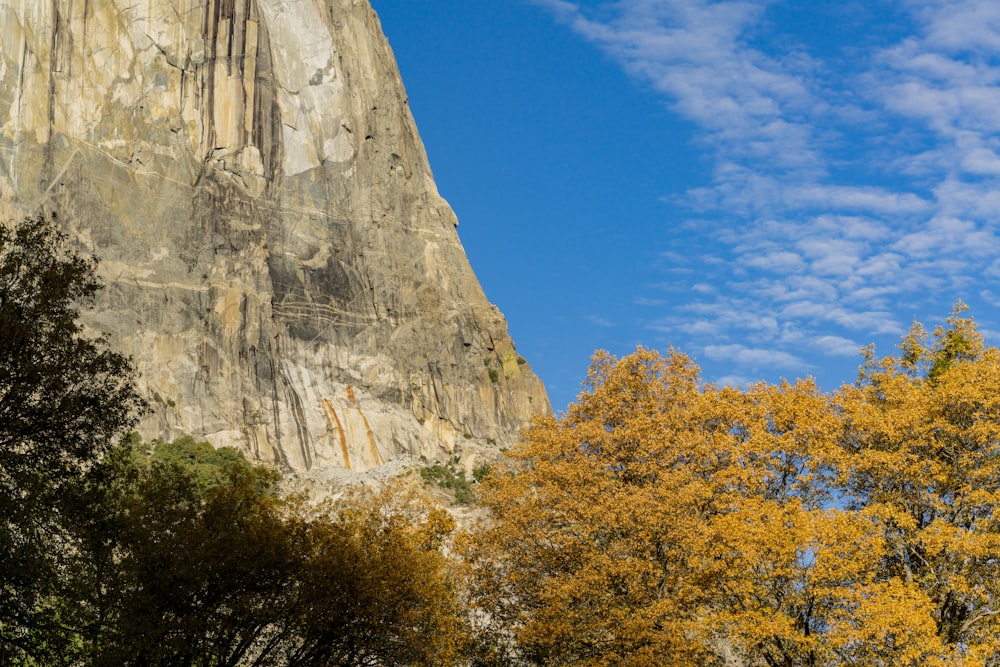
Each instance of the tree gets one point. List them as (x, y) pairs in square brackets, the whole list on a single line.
[(376, 588), (110, 555), (173, 571), (923, 466), (207, 465), (191, 556), (665, 521), (65, 398)]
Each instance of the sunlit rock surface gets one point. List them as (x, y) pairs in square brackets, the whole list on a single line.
[(279, 262)]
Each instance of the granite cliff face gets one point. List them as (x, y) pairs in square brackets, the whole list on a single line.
[(278, 260)]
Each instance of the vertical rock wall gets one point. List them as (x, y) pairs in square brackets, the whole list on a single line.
[(278, 259)]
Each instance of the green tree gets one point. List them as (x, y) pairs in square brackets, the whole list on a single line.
[(174, 570), (188, 555), (207, 464), (65, 398)]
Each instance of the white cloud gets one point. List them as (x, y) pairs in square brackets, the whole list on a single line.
[(837, 346), (882, 267), (780, 261), (694, 328), (945, 237), (694, 52), (982, 161), (809, 288), (736, 381), (850, 198), (960, 26), (872, 297), (978, 200), (754, 357)]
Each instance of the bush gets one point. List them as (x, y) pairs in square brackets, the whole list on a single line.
[(448, 476)]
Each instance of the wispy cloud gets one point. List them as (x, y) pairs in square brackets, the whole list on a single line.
[(599, 321), (837, 346), (754, 358), (844, 197)]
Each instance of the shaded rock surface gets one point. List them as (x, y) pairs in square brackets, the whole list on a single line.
[(278, 260)]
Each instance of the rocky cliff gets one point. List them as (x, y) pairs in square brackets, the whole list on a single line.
[(278, 260)]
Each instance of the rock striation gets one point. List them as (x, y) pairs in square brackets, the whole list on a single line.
[(279, 262)]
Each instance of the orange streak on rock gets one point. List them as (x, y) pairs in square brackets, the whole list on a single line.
[(335, 421), (376, 457)]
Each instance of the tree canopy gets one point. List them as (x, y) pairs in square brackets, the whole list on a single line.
[(172, 570), (668, 521)]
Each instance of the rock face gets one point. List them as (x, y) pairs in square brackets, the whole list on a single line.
[(278, 260)]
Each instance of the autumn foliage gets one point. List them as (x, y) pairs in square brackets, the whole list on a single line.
[(665, 521)]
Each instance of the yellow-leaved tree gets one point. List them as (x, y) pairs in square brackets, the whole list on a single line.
[(922, 438), (664, 521)]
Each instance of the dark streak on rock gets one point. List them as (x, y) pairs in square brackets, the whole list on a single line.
[(53, 68), (265, 130), (266, 115), (299, 417)]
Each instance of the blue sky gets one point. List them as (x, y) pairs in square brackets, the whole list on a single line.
[(767, 186)]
